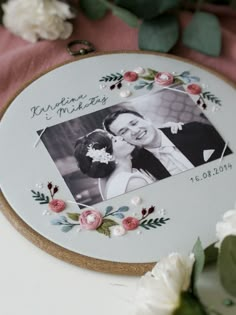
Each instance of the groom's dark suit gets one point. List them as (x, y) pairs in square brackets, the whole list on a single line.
[(192, 141)]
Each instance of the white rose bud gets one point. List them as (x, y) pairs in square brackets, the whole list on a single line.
[(226, 227), (160, 290)]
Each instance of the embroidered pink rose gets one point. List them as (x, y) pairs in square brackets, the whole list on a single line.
[(164, 78), (130, 223), (90, 219), (130, 76), (194, 89), (57, 205)]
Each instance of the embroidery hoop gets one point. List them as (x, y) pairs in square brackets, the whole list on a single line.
[(56, 250)]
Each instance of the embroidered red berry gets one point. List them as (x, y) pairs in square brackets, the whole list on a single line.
[(151, 209), (130, 223), (49, 185), (55, 190), (194, 89), (57, 205), (130, 76), (144, 211)]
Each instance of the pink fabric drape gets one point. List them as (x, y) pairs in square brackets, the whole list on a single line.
[(21, 61)]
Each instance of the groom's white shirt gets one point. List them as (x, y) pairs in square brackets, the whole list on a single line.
[(170, 156)]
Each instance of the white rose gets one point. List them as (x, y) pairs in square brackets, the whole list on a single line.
[(226, 227), (35, 19), (159, 291)]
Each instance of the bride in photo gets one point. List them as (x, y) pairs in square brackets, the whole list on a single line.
[(109, 158)]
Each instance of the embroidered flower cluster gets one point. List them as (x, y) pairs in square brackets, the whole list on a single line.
[(99, 155)]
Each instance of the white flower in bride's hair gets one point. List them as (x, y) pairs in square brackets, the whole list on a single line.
[(226, 227), (38, 19), (159, 291), (99, 155)]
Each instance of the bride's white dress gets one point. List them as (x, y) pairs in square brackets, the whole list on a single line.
[(118, 184)]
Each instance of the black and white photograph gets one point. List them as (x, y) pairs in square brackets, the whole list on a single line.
[(132, 144)]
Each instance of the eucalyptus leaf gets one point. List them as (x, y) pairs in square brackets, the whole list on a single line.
[(160, 34), (211, 254), (93, 9), (1, 10), (227, 264), (189, 305), (203, 34), (125, 15), (148, 9), (199, 255)]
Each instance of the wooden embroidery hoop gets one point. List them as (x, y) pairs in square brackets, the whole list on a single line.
[(66, 255)]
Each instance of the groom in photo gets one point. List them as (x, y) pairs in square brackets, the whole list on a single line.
[(171, 154)]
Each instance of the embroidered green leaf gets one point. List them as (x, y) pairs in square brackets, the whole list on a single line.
[(112, 77), (104, 228), (153, 223), (178, 81), (56, 221), (123, 209), (108, 210), (150, 76), (227, 264), (150, 86), (147, 9), (203, 33), (40, 197), (67, 228), (159, 34), (211, 97), (73, 216), (199, 255), (93, 9)]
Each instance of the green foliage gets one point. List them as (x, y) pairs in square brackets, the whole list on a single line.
[(1, 10), (203, 33), (211, 97), (147, 9), (73, 216), (227, 264), (189, 305), (40, 197), (159, 30), (153, 223), (125, 15), (199, 255), (93, 9), (104, 228), (211, 254), (159, 34)]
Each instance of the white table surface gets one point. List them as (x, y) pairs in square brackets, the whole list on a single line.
[(34, 283)]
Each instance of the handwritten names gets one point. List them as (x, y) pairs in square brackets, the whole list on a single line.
[(67, 105)]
